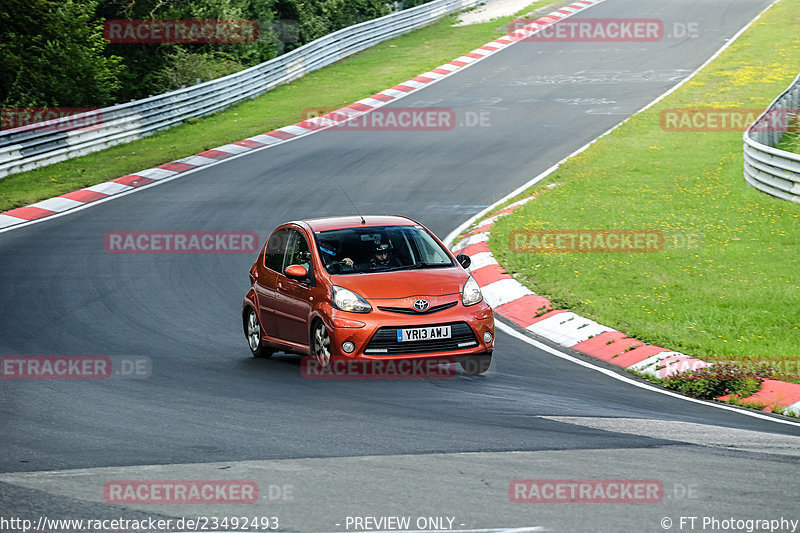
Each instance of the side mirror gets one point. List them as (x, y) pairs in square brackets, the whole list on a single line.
[(464, 260), (296, 272), (253, 274)]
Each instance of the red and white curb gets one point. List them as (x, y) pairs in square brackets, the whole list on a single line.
[(151, 176), (518, 304)]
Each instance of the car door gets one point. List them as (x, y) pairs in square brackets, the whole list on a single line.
[(293, 299), (267, 280)]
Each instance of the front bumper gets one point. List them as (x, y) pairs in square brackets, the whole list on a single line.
[(374, 334)]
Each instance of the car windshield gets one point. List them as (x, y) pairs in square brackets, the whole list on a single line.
[(380, 249)]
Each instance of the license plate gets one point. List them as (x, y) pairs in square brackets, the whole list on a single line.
[(423, 334)]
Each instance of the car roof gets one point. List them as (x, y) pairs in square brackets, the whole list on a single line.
[(330, 223)]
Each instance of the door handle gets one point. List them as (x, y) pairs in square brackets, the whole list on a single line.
[(280, 286)]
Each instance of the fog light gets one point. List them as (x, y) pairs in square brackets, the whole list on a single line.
[(348, 347), (487, 337)]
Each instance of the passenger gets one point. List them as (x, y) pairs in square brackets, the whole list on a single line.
[(383, 257)]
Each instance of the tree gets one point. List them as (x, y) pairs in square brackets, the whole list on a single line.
[(52, 53), (156, 67)]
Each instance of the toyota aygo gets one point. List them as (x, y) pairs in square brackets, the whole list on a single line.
[(368, 288)]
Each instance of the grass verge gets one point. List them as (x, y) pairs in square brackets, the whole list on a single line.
[(342, 83), (735, 379), (791, 139), (726, 287)]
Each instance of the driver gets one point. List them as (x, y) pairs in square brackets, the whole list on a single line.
[(330, 254), (329, 251)]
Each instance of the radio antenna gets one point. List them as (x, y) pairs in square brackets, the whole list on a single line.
[(352, 202)]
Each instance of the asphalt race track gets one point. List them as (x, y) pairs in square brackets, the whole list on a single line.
[(415, 448)]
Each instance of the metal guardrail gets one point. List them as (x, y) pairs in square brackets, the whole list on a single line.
[(766, 168), (42, 144)]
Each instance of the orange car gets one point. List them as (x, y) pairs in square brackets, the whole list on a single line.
[(369, 288)]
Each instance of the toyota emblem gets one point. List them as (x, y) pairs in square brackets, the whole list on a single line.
[(421, 305)]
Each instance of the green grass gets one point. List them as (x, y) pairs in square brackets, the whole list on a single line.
[(791, 139), (735, 295), (342, 83)]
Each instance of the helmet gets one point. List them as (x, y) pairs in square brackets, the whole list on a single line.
[(381, 249), (329, 247)]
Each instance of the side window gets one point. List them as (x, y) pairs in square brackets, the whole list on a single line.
[(298, 252), (276, 247)]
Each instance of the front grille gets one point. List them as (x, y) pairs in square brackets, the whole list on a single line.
[(411, 311), (384, 341)]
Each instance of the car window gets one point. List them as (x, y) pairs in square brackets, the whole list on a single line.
[(298, 252), (429, 250), (276, 248)]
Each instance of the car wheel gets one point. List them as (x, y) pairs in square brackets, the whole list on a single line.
[(476, 364), (321, 344), (253, 333)]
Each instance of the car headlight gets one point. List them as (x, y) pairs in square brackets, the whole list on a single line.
[(347, 300), (472, 293)]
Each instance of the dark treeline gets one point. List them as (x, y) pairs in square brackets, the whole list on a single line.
[(54, 53)]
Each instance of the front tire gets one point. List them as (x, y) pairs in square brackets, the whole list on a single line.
[(476, 365), (321, 344), (253, 334)]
